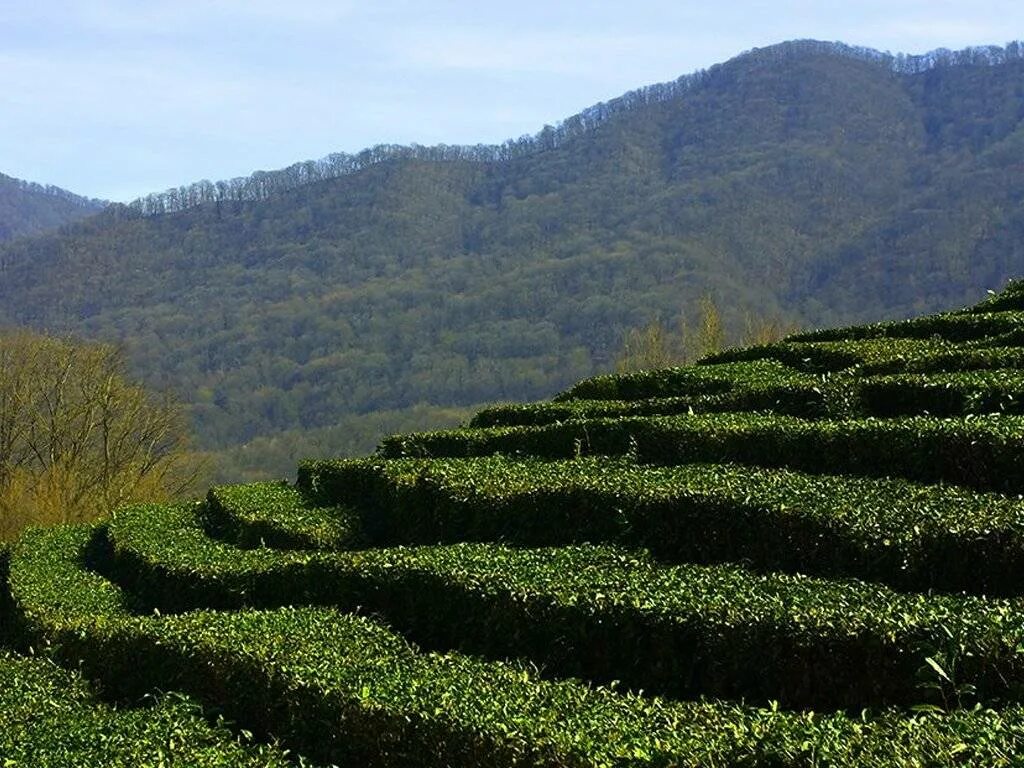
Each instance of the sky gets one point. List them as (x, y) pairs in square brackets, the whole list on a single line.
[(118, 98)]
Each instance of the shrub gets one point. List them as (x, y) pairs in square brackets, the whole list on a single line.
[(277, 515)]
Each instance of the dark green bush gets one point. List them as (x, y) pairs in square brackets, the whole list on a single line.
[(907, 535), (5, 596), (952, 360), (49, 719), (344, 689), (277, 515), (944, 394), (683, 381), (808, 400), (984, 452), (832, 356), (951, 326), (605, 614), (1010, 299)]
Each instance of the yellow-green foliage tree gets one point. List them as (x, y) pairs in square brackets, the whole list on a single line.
[(77, 438), (656, 346)]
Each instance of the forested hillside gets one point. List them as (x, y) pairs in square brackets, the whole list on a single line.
[(27, 208), (815, 181)]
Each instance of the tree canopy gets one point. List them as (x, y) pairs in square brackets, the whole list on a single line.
[(77, 438)]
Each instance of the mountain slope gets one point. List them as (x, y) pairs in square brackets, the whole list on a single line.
[(27, 208), (827, 183)]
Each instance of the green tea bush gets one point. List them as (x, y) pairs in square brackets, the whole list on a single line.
[(954, 359), (807, 400), (683, 381), (944, 394), (164, 558), (951, 326), (50, 719), (5, 596), (344, 689), (984, 452), (277, 515), (832, 356), (904, 534), (1010, 299), (1011, 339), (606, 614)]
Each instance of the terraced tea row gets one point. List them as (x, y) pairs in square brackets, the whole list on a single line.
[(908, 535), (687, 381), (998, 390), (602, 613), (808, 400), (278, 515), (49, 719), (984, 452), (342, 688), (951, 326), (746, 528)]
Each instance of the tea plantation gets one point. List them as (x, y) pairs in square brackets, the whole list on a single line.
[(808, 553)]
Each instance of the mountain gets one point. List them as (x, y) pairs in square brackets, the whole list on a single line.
[(27, 208), (826, 183)]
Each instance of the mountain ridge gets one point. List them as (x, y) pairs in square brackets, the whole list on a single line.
[(29, 208), (260, 184)]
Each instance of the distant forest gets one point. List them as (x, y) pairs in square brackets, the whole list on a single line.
[(398, 288), (27, 208)]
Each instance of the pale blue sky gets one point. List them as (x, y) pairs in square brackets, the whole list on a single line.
[(117, 98)]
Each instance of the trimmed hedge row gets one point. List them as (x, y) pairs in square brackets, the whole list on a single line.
[(164, 558), (944, 394), (609, 614), (1011, 298), (833, 356), (5, 596), (984, 452), (683, 381), (276, 515), (808, 400), (909, 536), (1011, 339), (344, 689), (958, 393), (982, 391), (49, 719), (952, 326), (956, 358)]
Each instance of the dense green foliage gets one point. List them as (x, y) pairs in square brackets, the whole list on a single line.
[(984, 452), (810, 181), (49, 719), (912, 536), (28, 209), (604, 614), (343, 688), (277, 515), (5, 604)]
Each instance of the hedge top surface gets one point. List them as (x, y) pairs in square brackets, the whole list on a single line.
[(50, 719), (357, 674)]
